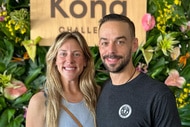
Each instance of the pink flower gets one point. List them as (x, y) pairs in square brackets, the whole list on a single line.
[(14, 90), (174, 79), (185, 27), (142, 67), (1, 18), (148, 22)]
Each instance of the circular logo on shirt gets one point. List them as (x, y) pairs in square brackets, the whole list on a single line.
[(125, 111)]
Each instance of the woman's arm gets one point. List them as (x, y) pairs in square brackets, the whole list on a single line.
[(35, 116)]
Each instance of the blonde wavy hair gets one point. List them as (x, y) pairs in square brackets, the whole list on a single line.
[(54, 87)]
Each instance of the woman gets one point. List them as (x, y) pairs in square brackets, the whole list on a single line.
[(70, 85)]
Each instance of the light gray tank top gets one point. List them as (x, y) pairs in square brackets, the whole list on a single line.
[(80, 111)]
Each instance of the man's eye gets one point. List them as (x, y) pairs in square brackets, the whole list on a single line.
[(119, 42), (103, 43)]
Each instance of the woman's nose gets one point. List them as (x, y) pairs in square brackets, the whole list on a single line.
[(69, 58)]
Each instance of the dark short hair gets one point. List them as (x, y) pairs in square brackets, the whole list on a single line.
[(118, 17)]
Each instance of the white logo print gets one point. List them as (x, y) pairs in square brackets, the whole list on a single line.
[(125, 111)]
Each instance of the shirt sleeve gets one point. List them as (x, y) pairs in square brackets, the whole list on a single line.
[(165, 113)]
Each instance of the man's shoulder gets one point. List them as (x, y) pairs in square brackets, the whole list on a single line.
[(148, 83)]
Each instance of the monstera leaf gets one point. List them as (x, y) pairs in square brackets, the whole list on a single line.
[(30, 46)]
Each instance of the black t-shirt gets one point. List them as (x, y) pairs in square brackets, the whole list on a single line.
[(142, 102)]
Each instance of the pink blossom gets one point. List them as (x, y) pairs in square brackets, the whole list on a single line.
[(1, 18), (148, 22), (142, 67), (174, 79), (14, 89), (186, 27)]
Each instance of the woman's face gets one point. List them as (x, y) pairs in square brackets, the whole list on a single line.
[(70, 60)]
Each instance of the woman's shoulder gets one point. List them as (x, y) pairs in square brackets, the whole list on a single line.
[(38, 99)]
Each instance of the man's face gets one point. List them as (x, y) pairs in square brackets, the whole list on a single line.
[(115, 45)]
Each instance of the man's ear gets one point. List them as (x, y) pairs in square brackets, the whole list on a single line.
[(135, 45)]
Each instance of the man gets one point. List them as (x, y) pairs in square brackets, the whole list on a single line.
[(130, 98)]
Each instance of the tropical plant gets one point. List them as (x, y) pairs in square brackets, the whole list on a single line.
[(165, 55), (21, 74)]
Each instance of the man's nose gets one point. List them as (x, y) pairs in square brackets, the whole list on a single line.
[(111, 47)]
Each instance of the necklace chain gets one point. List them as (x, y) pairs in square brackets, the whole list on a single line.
[(131, 76)]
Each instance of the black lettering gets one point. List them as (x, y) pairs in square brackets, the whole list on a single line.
[(95, 30), (88, 30), (82, 30), (95, 3), (83, 13), (76, 29), (61, 29), (54, 6), (69, 29), (123, 4)]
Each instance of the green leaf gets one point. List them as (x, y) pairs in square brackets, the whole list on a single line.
[(98, 64), (6, 116), (158, 63), (5, 79), (32, 75), (186, 72), (24, 98), (20, 71), (30, 46), (2, 103), (2, 67), (11, 68), (149, 40), (157, 72), (17, 122), (13, 4), (41, 58), (8, 52), (148, 54)]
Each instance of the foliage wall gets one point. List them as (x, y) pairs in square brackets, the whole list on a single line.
[(164, 56)]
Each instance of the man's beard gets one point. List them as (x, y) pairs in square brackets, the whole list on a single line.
[(125, 61)]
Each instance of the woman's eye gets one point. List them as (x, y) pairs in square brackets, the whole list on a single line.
[(62, 54), (77, 54)]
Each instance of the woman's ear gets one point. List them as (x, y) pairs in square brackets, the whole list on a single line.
[(85, 62)]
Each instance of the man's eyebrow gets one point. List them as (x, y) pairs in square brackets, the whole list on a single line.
[(117, 38), (121, 37), (102, 38)]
